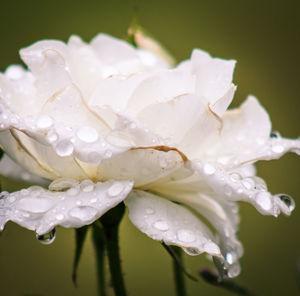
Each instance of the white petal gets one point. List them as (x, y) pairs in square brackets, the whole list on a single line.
[(170, 223), (51, 160), (162, 86), (46, 60), (117, 53), (176, 117), (214, 75), (12, 146), (142, 165), (41, 210), (11, 169), (234, 186)]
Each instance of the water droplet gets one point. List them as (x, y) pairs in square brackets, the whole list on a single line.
[(277, 149), (275, 134), (87, 134), (73, 191), (248, 183), (149, 211), (234, 270), (235, 177), (209, 169), (263, 199), (161, 225), (64, 148), (14, 72), (230, 258), (186, 236), (87, 186), (133, 125), (59, 217), (84, 213), (192, 251), (227, 190), (108, 153), (287, 200), (52, 137), (48, 238), (44, 122), (115, 189), (93, 200)]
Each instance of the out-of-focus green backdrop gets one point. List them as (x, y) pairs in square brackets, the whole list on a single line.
[(264, 37)]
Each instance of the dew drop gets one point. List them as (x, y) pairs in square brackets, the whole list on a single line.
[(275, 134), (248, 183), (48, 238), (44, 122), (14, 72), (108, 153), (149, 211), (209, 169), (115, 189), (192, 251), (287, 200), (87, 186), (161, 225), (186, 236), (230, 258), (277, 149), (60, 217), (227, 190), (64, 148), (84, 213), (87, 134), (235, 177), (234, 270), (72, 191), (52, 137)]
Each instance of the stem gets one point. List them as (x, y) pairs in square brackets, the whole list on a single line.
[(178, 274), (99, 245), (111, 221)]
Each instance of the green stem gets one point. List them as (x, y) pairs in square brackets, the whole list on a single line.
[(99, 245), (111, 221), (178, 274)]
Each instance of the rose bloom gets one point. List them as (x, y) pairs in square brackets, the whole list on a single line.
[(106, 122)]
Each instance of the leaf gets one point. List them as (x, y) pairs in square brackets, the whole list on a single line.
[(80, 234)]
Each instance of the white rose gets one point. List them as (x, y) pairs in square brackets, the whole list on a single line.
[(109, 123)]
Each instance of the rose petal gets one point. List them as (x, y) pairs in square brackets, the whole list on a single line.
[(170, 223), (41, 210), (11, 169)]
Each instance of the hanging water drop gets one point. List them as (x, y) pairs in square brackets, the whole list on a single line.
[(275, 134), (287, 200), (47, 238)]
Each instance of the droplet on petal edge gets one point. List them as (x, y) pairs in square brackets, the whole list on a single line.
[(48, 238)]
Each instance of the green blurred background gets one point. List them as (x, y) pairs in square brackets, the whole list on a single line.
[(264, 37)]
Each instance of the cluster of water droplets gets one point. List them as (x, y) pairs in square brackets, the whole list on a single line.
[(68, 203), (235, 186)]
